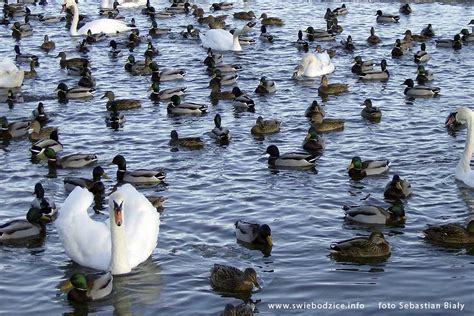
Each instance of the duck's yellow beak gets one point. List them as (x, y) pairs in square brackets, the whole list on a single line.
[(308, 136), (45, 218), (398, 185), (270, 241), (105, 176), (66, 286), (351, 166)]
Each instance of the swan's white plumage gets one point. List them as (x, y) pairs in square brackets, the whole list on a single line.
[(107, 26), (10, 75), (88, 242), (218, 39), (314, 65), (463, 171)]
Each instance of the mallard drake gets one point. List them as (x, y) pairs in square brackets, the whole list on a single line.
[(30, 228), (382, 74), (386, 18), (466, 36), (64, 93), (165, 74), (331, 89), (398, 51), (397, 188), (419, 90), (45, 205), (416, 37), (266, 20), (300, 42), (187, 142), (291, 159), (319, 35), (263, 127), (265, 86), (370, 112), (423, 75), (38, 114), (218, 58), (151, 50), (95, 186), (165, 94), (114, 52), (19, 33), (176, 107), (220, 133), (122, 104), (455, 43), (223, 68), (191, 33), (52, 142), (216, 93), (241, 100), (37, 132), (140, 176), (264, 36), (113, 117), (405, 9), (244, 15), (253, 234), (427, 31), (13, 130), (51, 19), (312, 141), (31, 74), (452, 234), (342, 10), (421, 55), (69, 161), (86, 80), (86, 288), (360, 66), (72, 62), (155, 31), (25, 57), (316, 114), (371, 214), (225, 79), (359, 169), (373, 246), (230, 279)]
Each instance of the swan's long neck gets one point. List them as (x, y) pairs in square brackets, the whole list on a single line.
[(464, 163), (119, 262), (236, 44), (75, 20)]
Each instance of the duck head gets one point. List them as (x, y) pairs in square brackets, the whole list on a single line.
[(250, 275)]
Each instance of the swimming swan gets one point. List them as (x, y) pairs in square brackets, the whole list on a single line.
[(463, 171), (108, 26), (219, 39), (314, 65), (10, 75), (118, 246)]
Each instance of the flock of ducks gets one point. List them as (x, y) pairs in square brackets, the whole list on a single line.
[(47, 146)]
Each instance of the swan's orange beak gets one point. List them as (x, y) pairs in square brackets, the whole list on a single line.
[(118, 215)]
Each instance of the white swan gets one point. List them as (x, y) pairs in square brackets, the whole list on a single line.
[(109, 4), (219, 39), (10, 75), (463, 171), (107, 26), (314, 65), (120, 245)]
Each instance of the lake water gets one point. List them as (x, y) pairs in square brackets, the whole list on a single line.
[(208, 190)]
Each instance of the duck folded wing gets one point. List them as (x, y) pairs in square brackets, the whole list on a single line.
[(366, 211), (15, 226)]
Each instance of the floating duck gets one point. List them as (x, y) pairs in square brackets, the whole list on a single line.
[(373, 246), (266, 20), (451, 234), (313, 142), (370, 112), (386, 18), (94, 185), (253, 233), (421, 55), (230, 279), (331, 89), (65, 93), (69, 161), (316, 114), (178, 108), (165, 94), (121, 104), (359, 169), (37, 132), (265, 86), (397, 188), (85, 288), (381, 74), (405, 9), (290, 160), (419, 90), (220, 133), (140, 176), (263, 127), (241, 100), (371, 214), (187, 142), (32, 227), (13, 130), (52, 142), (45, 205)]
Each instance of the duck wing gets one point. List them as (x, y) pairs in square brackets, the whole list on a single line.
[(86, 241)]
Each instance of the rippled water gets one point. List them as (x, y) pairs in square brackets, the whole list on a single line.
[(209, 189)]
